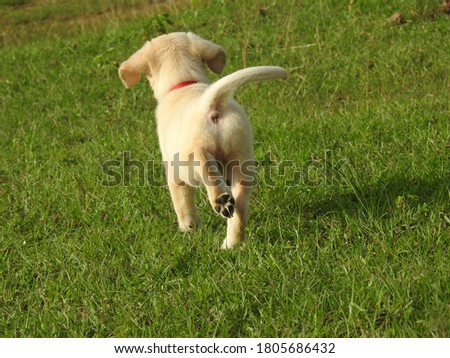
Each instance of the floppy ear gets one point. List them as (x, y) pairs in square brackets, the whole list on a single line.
[(131, 70), (212, 54)]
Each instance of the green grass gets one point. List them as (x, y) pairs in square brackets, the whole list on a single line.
[(358, 247)]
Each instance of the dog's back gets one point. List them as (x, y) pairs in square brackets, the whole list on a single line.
[(221, 127)]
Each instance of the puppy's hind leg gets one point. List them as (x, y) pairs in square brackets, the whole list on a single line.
[(219, 194), (236, 225), (183, 202)]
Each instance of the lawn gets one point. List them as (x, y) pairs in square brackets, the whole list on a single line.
[(349, 228)]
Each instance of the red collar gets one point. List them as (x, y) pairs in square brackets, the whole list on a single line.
[(183, 84)]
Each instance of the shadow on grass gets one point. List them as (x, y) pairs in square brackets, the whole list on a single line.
[(379, 198), (411, 201)]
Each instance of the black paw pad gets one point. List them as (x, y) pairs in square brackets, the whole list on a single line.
[(223, 199), (226, 213), (225, 205)]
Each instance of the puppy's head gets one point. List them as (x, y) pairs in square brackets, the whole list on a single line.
[(170, 59)]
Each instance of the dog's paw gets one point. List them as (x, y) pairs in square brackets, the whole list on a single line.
[(188, 223), (224, 205)]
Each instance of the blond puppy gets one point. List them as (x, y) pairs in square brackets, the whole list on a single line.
[(204, 135)]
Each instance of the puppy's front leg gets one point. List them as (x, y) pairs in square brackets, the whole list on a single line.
[(183, 197)]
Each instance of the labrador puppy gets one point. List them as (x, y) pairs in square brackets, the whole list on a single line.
[(204, 135)]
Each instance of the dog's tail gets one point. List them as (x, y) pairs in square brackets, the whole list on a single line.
[(227, 86)]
